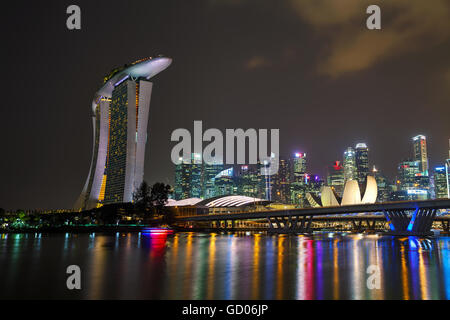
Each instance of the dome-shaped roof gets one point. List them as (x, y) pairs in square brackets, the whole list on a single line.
[(184, 202)]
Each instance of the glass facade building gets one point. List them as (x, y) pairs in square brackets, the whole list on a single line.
[(249, 181), (440, 182), (350, 172), (281, 182), (411, 184), (362, 162), (298, 179), (189, 178), (420, 153), (224, 183), (210, 171)]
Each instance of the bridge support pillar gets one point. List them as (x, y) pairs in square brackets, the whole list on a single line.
[(419, 224)]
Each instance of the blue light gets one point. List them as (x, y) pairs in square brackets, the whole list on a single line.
[(391, 225), (413, 218)]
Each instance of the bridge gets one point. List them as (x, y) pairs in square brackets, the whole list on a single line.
[(405, 218)]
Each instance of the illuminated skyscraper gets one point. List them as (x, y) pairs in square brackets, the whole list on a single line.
[(298, 179), (350, 172), (182, 180), (412, 185), (120, 116), (299, 166), (407, 173), (362, 162), (281, 182), (250, 182), (188, 178), (210, 171), (420, 153), (196, 176), (440, 182), (224, 183)]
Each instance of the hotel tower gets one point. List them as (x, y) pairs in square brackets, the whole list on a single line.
[(120, 116)]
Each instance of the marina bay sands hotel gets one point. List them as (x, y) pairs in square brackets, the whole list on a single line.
[(120, 117)]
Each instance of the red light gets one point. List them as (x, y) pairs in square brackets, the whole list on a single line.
[(337, 165)]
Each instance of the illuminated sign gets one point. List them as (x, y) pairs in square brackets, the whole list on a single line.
[(337, 165), (225, 173), (417, 191)]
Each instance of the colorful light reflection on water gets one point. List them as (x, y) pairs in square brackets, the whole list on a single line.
[(160, 264)]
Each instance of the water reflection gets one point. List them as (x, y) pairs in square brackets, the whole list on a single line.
[(158, 265)]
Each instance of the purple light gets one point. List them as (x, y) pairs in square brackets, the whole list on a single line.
[(123, 79)]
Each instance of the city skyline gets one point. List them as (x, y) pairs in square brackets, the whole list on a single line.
[(347, 179), (322, 98), (195, 154)]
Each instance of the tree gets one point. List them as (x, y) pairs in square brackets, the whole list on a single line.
[(159, 195), (153, 198), (141, 197)]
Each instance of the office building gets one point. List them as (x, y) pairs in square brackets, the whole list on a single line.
[(298, 179), (420, 153), (281, 182), (362, 162), (350, 170), (440, 182)]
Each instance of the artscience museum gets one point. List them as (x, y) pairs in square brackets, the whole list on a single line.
[(352, 195)]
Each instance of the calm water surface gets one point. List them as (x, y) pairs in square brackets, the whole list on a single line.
[(223, 266)]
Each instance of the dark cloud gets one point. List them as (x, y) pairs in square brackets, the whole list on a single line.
[(407, 26), (256, 62)]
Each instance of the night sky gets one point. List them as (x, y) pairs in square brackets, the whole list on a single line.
[(309, 68)]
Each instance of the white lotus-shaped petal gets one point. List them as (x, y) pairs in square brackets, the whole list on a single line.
[(328, 198), (352, 195), (370, 196)]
